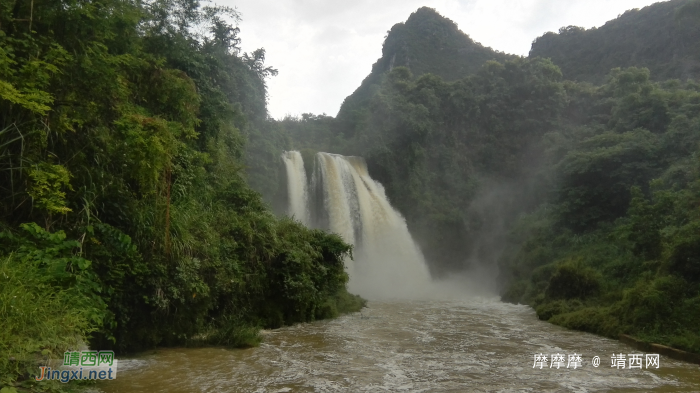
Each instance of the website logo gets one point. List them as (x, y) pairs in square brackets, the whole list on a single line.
[(84, 365)]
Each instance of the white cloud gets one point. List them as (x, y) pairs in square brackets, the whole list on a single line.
[(323, 49)]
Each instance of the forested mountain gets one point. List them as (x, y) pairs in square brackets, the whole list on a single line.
[(663, 37), (125, 218), (127, 221), (426, 43), (584, 198)]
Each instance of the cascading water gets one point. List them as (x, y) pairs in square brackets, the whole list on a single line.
[(297, 190), (346, 200), (387, 261), (335, 197)]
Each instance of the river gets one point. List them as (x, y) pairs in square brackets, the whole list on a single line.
[(474, 345)]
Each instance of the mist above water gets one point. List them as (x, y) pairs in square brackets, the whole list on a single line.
[(344, 199)]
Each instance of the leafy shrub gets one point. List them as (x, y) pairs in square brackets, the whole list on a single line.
[(549, 309), (650, 304), (572, 280), (684, 258), (48, 302), (590, 319)]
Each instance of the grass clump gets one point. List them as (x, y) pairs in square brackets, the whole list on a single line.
[(590, 319), (38, 321)]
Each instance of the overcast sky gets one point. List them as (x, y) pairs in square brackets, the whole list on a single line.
[(323, 49)]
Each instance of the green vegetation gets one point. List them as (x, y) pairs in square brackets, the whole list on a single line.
[(426, 43), (584, 198), (47, 303), (125, 218), (435, 144), (662, 37)]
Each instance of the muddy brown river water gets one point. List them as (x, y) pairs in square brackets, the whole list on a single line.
[(475, 345)]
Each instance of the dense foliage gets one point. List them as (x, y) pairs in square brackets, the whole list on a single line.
[(584, 198), (125, 219), (614, 249), (426, 43), (663, 37)]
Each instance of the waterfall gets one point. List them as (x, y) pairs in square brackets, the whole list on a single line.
[(335, 197), (297, 191), (344, 199), (387, 263)]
